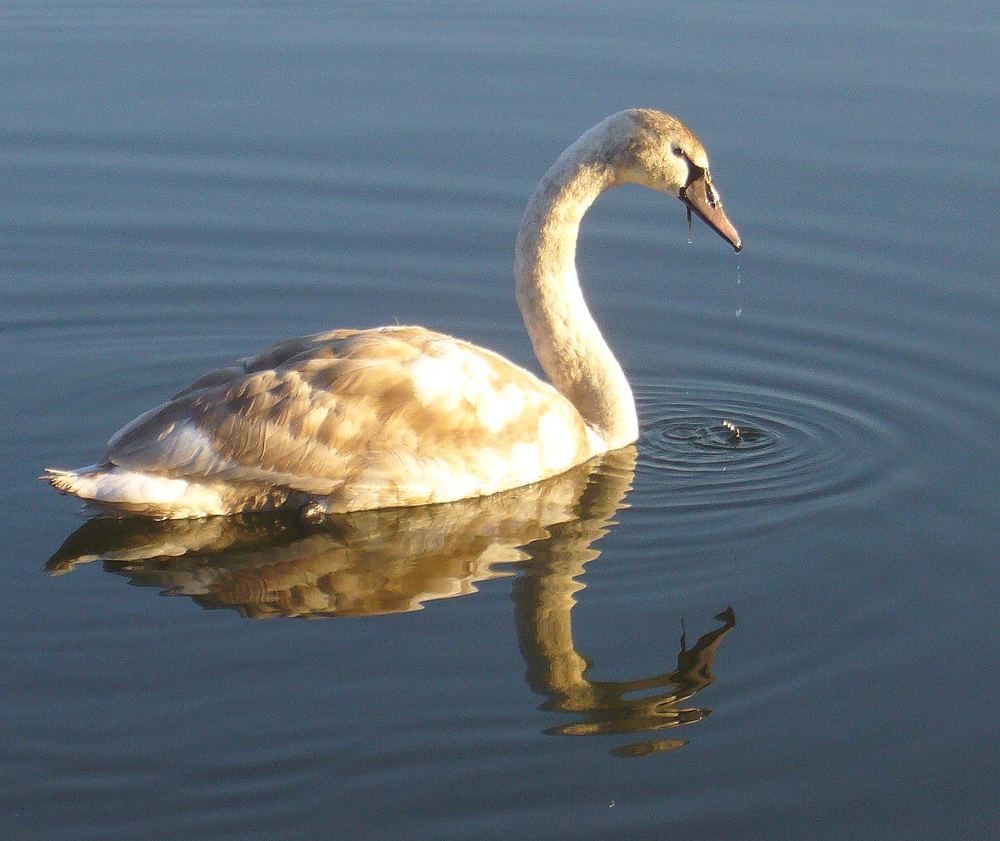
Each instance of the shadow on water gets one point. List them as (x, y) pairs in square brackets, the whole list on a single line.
[(391, 561)]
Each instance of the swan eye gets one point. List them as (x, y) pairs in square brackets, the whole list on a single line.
[(677, 150)]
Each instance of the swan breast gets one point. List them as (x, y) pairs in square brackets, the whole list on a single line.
[(364, 419)]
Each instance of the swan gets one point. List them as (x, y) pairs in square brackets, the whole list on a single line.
[(351, 420)]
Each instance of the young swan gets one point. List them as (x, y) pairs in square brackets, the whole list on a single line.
[(358, 419)]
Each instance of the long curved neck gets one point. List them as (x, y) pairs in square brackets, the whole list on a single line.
[(567, 341)]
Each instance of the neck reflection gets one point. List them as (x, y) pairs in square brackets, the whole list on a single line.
[(380, 562), (543, 603)]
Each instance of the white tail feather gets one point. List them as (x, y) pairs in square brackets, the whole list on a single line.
[(137, 492)]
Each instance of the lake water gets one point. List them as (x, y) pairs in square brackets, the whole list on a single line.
[(792, 635)]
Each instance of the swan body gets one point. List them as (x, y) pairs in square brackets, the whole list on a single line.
[(351, 420)]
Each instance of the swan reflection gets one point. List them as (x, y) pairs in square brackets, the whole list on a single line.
[(391, 561)]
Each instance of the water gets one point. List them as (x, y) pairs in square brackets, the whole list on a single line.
[(784, 635)]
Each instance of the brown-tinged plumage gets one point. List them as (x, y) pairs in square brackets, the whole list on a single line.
[(351, 420)]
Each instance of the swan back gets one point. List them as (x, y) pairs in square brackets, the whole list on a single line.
[(361, 419)]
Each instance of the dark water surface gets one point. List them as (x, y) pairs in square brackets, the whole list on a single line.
[(184, 183)]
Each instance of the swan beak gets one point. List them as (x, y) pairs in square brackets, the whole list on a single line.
[(701, 196)]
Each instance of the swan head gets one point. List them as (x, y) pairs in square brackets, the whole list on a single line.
[(658, 151)]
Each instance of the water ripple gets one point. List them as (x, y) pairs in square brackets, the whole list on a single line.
[(725, 446)]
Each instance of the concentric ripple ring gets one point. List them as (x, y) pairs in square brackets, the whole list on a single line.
[(725, 446)]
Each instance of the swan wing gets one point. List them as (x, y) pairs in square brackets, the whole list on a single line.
[(367, 418)]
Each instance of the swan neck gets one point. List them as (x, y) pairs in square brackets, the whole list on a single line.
[(565, 337)]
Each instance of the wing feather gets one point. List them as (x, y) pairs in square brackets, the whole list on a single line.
[(390, 416)]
